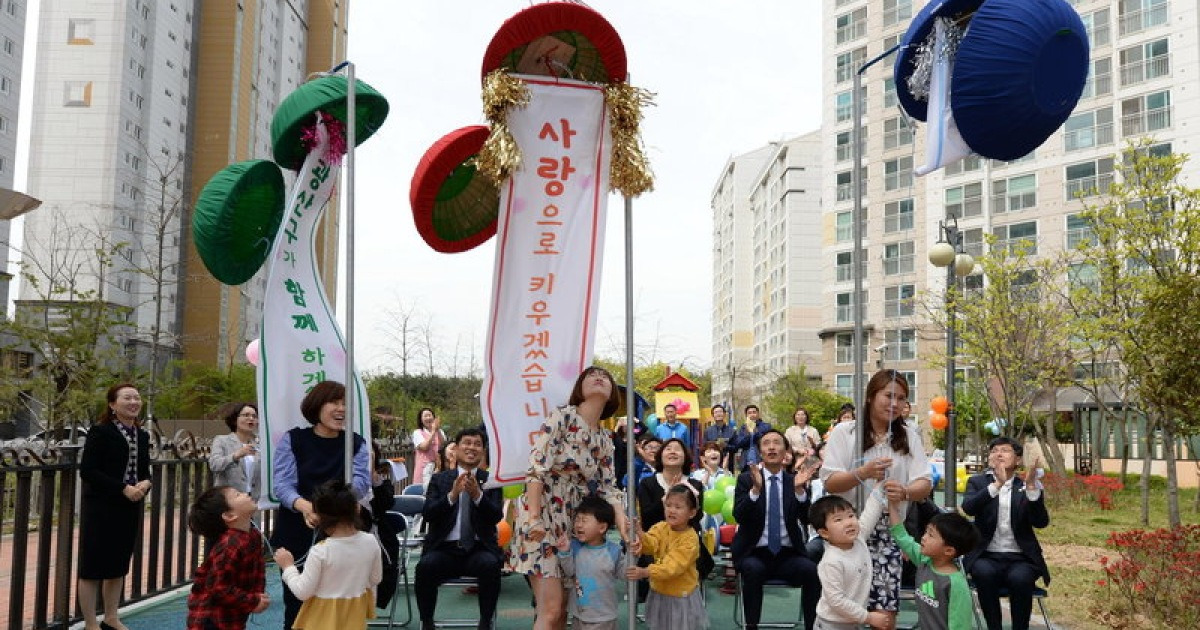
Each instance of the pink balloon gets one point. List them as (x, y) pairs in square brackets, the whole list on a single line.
[(252, 351)]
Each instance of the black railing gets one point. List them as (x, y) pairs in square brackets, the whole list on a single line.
[(39, 498)]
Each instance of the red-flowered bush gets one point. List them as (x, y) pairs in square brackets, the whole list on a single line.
[(1155, 579)]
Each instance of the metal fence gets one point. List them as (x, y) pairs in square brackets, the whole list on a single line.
[(39, 507)]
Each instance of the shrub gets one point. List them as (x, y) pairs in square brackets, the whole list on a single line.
[(1155, 578)]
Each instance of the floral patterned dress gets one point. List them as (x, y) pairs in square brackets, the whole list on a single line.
[(571, 460)]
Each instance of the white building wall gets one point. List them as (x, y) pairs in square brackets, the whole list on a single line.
[(12, 47)]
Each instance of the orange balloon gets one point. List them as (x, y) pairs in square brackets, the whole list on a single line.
[(503, 533), (939, 421), (939, 404)]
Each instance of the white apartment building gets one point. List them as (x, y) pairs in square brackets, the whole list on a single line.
[(12, 47), (137, 104), (1142, 82), (766, 250)]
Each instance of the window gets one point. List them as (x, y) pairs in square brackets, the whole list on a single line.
[(1143, 114), (889, 92), (845, 270), (902, 344), (848, 63), (843, 384), (898, 300), (844, 149), (897, 173), (845, 306), (1099, 79), (1088, 129), (1024, 286), (1145, 62), (898, 258), (896, 11), (1089, 178), (1137, 15), (10, 47), (973, 242), (12, 7), (845, 226), (845, 184), (1009, 238), (1079, 231), (898, 216), (77, 94), (4, 128), (1014, 193), (844, 348), (964, 201), (1097, 26), (1083, 276), (844, 104), (851, 26), (911, 377), (896, 133), (966, 165), (80, 32)]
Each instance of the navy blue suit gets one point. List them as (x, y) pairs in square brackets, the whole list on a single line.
[(1015, 572), (443, 560), (757, 564)]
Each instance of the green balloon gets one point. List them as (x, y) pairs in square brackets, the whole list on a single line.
[(713, 501), (725, 482), (727, 512), (514, 491)]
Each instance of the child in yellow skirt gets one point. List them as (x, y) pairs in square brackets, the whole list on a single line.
[(675, 600), (341, 572)]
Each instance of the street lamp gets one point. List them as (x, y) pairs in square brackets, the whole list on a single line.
[(948, 252)]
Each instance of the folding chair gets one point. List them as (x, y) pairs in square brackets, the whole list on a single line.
[(405, 516), (463, 622), (1039, 596), (739, 614)]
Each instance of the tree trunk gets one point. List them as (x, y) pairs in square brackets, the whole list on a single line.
[(1173, 519), (1147, 458), (1123, 425), (1052, 454), (1196, 502)]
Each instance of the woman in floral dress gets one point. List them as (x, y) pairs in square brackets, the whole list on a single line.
[(571, 458)]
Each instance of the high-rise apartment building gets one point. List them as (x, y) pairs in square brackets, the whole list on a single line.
[(135, 107), (766, 292), (12, 47), (1142, 83)]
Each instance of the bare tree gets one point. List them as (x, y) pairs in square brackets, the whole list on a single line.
[(402, 329)]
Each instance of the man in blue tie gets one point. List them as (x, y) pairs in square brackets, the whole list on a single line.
[(770, 504), (671, 427)]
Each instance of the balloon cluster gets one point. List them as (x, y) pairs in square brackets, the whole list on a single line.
[(719, 500), (940, 405)]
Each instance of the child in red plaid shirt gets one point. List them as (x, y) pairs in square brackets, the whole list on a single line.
[(231, 583)]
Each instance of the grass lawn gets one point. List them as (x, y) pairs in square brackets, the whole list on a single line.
[(1075, 540)]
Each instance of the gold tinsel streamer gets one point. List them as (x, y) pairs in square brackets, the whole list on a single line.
[(500, 155), (629, 171)]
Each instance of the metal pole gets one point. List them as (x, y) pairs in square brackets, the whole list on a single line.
[(857, 260), (951, 459), (351, 382), (630, 404)]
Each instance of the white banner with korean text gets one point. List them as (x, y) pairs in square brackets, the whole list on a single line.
[(549, 254), (301, 343)]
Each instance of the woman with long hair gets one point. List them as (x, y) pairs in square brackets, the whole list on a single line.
[(892, 457)]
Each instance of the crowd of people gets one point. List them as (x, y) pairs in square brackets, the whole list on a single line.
[(825, 514)]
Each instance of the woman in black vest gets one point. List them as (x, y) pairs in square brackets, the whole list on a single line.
[(115, 469), (305, 458)]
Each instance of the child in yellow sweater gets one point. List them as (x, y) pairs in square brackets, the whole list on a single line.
[(674, 600)]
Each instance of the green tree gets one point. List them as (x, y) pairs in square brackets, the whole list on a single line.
[(1013, 330), (1147, 256), (797, 389)]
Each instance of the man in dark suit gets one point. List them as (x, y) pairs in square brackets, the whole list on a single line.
[(1006, 510), (770, 504), (461, 536)]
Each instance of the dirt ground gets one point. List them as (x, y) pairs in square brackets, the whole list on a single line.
[(1078, 556)]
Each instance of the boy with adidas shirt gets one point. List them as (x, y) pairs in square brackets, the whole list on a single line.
[(942, 594)]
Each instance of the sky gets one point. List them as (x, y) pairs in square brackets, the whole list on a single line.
[(728, 77)]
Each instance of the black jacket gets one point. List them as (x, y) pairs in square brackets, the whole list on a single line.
[(1026, 515), (440, 515), (752, 515)]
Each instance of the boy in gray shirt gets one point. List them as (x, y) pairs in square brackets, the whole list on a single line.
[(595, 563)]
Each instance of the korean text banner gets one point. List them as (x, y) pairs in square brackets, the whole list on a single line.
[(301, 343), (549, 253)]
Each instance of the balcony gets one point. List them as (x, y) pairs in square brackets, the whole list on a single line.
[(1095, 136), (1088, 186), (1145, 70), (1145, 122), (1142, 19)]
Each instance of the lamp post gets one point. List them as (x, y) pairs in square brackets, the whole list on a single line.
[(948, 252)]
